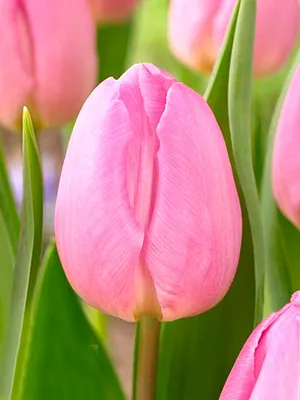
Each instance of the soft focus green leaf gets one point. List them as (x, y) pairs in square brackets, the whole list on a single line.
[(198, 353), (7, 206), (113, 43), (64, 359), (27, 257), (239, 107), (6, 277)]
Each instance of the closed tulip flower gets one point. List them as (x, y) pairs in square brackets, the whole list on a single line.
[(286, 161), (47, 60), (196, 32), (111, 11), (147, 217), (268, 365)]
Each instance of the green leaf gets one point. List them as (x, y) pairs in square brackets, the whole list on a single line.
[(6, 278), (7, 205), (113, 43), (64, 359), (28, 255), (198, 353), (239, 108), (282, 239)]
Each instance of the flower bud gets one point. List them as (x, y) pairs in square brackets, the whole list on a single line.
[(48, 60), (196, 32), (147, 218), (268, 365), (112, 11), (286, 160)]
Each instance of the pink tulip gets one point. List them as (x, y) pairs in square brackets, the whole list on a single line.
[(196, 32), (47, 60), (110, 11), (286, 160), (147, 217), (268, 365)]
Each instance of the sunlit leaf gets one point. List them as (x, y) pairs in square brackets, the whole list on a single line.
[(64, 360), (6, 277), (239, 108), (28, 255), (7, 205)]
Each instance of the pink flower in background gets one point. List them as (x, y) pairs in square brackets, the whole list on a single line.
[(147, 216), (197, 30), (286, 154), (47, 60), (268, 365), (190, 32), (111, 11)]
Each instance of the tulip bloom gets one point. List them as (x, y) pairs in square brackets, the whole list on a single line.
[(286, 160), (111, 11), (196, 32), (147, 217), (48, 60), (268, 365)]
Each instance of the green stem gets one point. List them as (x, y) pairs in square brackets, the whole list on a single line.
[(147, 346)]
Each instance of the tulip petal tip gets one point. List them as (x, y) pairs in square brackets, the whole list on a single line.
[(295, 299)]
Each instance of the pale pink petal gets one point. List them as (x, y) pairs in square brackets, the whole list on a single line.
[(242, 378), (279, 376), (147, 85), (98, 237), (193, 242), (144, 94), (65, 63), (190, 32), (16, 80), (286, 160), (273, 46)]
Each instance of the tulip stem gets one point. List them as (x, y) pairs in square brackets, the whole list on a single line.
[(146, 358)]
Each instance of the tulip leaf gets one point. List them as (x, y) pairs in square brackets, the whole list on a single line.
[(197, 353), (9, 232), (113, 43), (282, 239), (6, 277), (64, 359), (7, 205), (239, 106), (27, 258)]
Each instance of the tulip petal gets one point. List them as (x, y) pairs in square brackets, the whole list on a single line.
[(14, 63), (280, 371), (145, 86), (246, 369), (190, 243), (65, 60), (144, 94), (190, 32), (100, 240), (154, 86), (273, 46), (286, 160)]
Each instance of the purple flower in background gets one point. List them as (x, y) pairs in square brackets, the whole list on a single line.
[(50, 178)]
